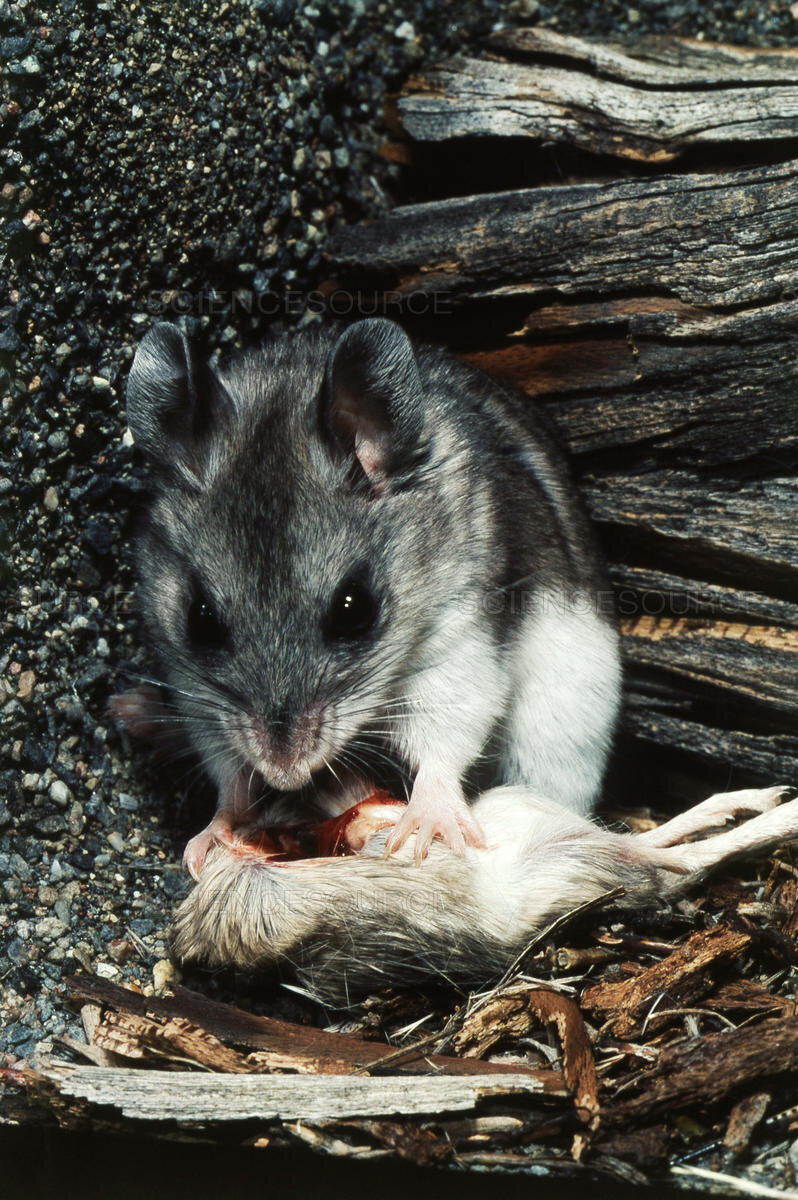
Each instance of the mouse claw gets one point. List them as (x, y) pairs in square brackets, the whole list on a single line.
[(448, 820)]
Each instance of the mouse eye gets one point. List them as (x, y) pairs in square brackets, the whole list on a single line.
[(206, 629), (353, 612)]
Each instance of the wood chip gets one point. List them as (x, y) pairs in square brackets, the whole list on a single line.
[(514, 1012), (743, 1120), (685, 976), (142, 1037)]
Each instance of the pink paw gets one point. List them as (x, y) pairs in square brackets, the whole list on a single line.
[(428, 818), (138, 710), (219, 831)]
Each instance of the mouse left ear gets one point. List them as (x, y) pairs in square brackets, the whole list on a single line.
[(176, 405), (374, 398)]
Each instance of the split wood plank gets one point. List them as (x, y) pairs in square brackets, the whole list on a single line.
[(644, 383), (661, 593), (647, 720), (310, 1048), (750, 664), (607, 100), (706, 239), (652, 60), (193, 1098), (746, 532)]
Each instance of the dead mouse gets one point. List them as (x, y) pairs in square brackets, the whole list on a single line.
[(361, 552), (351, 921)]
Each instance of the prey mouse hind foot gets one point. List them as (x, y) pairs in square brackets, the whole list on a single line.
[(717, 811), (768, 826)]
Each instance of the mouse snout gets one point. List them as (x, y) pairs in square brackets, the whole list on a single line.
[(285, 747)]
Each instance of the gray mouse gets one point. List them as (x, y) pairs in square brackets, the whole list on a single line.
[(361, 552)]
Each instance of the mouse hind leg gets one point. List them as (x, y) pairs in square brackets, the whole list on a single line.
[(558, 732), (140, 711)]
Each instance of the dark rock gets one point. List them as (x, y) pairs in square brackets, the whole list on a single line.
[(38, 752), (14, 47), (52, 826), (99, 537), (9, 341)]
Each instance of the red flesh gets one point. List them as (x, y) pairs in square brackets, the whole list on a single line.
[(325, 839)]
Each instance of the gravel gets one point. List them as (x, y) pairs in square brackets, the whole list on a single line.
[(185, 160)]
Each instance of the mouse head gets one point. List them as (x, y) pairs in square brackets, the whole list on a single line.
[(296, 541)]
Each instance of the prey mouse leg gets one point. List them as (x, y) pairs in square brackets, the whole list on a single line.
[(439, 809), (235, 805), (771, 829), (717, 811)]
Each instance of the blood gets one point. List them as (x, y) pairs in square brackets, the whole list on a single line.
[(332, 836), (321, 839)]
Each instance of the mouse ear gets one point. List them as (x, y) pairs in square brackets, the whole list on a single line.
[(374, 398), (174, 403)]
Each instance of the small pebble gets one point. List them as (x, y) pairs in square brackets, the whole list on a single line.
[(164, 973), (59, 793), (107, 970), (25, 686)]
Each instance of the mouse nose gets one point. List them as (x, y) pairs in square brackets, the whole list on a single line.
[(282, 726), (286, 744), (290, 728)]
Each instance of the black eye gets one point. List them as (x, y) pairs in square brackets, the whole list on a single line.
[(206, 629), (353, 612)]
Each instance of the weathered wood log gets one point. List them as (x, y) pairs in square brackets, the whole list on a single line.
[(699, 654), (647, 389), (656, 320), (652, 61), (310, 1049), (657, 593), (714, 239), (648, 104), (198, 1097), (745, 533)]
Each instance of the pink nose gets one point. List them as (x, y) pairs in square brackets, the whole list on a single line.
[(286, 745)]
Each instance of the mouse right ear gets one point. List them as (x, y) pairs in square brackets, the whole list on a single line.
[(374, 399), (174, 404)]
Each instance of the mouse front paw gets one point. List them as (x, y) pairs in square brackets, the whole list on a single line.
[(220, 831), (431, 815)]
